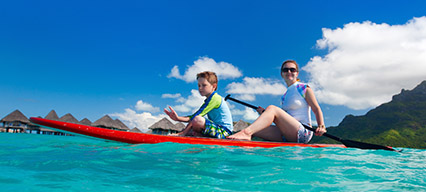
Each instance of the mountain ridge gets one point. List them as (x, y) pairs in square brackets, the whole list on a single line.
[(398, 123)]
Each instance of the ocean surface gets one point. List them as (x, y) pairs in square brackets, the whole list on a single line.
[(31, 162)]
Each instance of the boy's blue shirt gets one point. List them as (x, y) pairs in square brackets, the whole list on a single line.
[(217, 110)]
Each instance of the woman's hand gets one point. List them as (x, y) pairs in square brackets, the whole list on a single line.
[(320, 130), (260, 110)]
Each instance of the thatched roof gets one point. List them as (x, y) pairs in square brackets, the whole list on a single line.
[(240, 125), (16, 116), (136, 130), (164, 123), (121, 124), (52, 116), (69, 118), (105, 121), (86, 121), (179, 126)]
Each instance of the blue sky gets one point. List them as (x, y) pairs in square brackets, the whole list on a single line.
[(92, 58)]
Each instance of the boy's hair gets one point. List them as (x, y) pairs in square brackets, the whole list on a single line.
[(209, 76)]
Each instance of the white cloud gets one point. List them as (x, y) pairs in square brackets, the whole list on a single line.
[(189, 104), (139, 120), (367, 63), (250, 114), (143, 106), (182, 108), (178, 97), (252, 86), (246, 97), (173, 96), (247, 114), (222, 69)]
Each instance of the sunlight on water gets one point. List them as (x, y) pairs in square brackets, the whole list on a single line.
[(58, 163)]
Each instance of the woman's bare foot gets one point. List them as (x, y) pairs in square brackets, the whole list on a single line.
[(242, 135)]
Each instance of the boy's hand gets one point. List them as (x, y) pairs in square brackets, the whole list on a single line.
[(172, 114)]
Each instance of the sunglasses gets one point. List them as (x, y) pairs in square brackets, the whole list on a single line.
[(286, 70)]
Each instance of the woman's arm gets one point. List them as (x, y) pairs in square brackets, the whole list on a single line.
[(312, 102)]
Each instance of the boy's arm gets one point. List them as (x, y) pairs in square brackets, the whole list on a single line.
[(174, 116), (208, 105), (185, 131), (183, 119)]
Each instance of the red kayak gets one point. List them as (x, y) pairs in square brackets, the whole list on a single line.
[(140, 138)]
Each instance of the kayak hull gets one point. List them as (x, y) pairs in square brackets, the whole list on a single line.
[(140, 138)]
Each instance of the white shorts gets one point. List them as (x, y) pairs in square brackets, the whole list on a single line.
[(303, 135)]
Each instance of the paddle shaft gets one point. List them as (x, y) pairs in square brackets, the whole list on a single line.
[(348, 143), (324, 134), (240, 102)]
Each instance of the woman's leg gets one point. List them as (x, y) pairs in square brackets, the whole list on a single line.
[(286, 124), (271, 133)]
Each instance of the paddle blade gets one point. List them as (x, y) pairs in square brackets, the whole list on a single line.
[(361, 145)]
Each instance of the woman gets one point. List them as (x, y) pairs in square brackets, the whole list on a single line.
[(297, 103)]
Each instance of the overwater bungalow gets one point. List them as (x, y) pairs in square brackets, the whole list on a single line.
[(86, 121), (15, 122), (52, 115), (121, 125), (108, 123), (135, 130), (69, 118), (164, 127)]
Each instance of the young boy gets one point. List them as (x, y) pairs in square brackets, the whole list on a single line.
[(219, 121)]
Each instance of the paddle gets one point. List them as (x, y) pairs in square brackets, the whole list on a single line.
[(346, 142)]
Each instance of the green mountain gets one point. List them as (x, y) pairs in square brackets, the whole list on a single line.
[(399, 123)]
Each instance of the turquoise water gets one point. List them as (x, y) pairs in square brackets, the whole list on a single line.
[(58, 163)]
